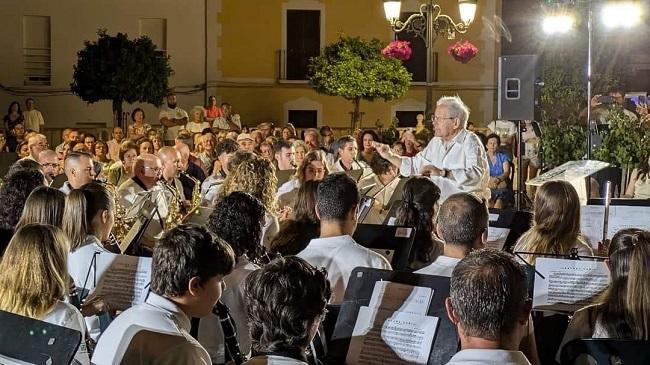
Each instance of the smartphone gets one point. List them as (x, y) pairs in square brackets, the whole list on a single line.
[(606, 99)]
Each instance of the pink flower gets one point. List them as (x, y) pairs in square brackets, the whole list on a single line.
[(463, 51), (400, 50)]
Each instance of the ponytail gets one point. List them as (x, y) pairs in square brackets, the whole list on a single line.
[(637, 296), (81, 207)]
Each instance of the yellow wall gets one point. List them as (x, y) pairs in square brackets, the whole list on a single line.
[(251, 38)]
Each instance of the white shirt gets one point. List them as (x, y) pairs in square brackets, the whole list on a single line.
[(356, 165), (288, 192), (464, 157), (66, 315), (176, 113), (503, 128), (210, 332), (159, 315), (274, 360), (66, 188), (33, 120), (82, 271), (270, 230), (488, 357), (210, 189), (113, 149), (193, 127), (222, 123), (340, 255), (443, 266), (132, 197)]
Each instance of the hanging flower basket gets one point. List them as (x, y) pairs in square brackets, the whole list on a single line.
[(463, 51), (400, 50)]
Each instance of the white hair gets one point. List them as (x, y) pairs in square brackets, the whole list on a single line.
[(456, 106)]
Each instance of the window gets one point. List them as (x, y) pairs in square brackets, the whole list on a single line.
[(37, 51), (407, 118), (303, 118), (156, 30), (303, 36), (417, 64)]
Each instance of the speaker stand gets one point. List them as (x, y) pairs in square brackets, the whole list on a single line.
[(522, 200)]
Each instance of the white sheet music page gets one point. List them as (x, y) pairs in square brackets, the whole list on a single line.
[(497, 237), (620, 217), (401, 297), (122, 280), (568, 285)]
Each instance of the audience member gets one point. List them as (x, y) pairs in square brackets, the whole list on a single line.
[(188, 270), (286, 304), (172, 117), (530, 161), (336, 206), (327, 136), (500, 185), (208, 155), (114, 144), (14, 116), (156, 141), (139, 128), (246, 142), (197, 122), (489, 305), (14, 191), (44, 205), (51, 165), (409, 140), (36, 143), (212, 110), (639, 185), (145, 146), (17, 141), (33, 118), (285, 155), (295, 233), (211, 185), (101, 155), (462, 224), (418, 209), (122, 170), (238, 220), (34, 280), (313, 167), (399, 148), (556, 223), (65, 137), (266, 151), (301, 150), (367, 147), (89, 141), (288, 132), (311, 139), (4, 147)]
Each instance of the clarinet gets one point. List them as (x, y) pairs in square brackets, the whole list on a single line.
[(229, 332)]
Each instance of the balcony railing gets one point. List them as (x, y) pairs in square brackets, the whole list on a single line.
[(294, 65), (38, 66)]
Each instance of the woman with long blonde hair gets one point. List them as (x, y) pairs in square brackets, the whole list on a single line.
[(256, 176), (45, 205), (312, 167), (34, 279), (556, 223)]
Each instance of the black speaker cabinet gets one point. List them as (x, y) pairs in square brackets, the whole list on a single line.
[(519, 80)]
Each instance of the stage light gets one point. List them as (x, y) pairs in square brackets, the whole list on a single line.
[(557, 23), (624, 14)]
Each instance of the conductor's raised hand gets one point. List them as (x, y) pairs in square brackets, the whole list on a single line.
[(382, 149)]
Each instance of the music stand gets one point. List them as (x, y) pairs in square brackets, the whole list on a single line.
[(355, 174), (37, 342), (517, 221), (358, 293), (389, 241), (392, 211)]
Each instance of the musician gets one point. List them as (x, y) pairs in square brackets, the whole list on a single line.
[(313, 167), (348, 151), (336, 207), (147, 169), (286, 303), (88, 219), (51, 165), (189, 265), (224, 150), (381, 184), (33, 281), (454, 159), (237, 219), (285, 155), (78, 168), (171, 170), (188, 167)]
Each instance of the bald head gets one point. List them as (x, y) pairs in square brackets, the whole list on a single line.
[(147, 168), (462, 221), (171, 162), (79, 169), (184, 150)]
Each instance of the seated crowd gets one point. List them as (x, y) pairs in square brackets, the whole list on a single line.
[(252, 238)]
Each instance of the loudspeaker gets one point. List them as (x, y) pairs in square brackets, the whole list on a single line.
[(519, 83)]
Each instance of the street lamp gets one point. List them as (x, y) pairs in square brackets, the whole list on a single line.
[(428, 24), (614, 14)]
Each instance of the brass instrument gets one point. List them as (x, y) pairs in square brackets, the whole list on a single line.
[(196, 191), (122, 223), (174, 205)]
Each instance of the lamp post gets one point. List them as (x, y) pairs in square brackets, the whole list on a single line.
[(428, 24)]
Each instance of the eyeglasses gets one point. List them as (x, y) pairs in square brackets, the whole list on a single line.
[(50, 165), (155, 169), (436, 118)]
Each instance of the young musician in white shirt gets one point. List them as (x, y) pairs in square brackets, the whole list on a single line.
[(188, 268), (286, 303), (336, 206)]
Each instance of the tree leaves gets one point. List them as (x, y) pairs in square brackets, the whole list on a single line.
[(119, 69)]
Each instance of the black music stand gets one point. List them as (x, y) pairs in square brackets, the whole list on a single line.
[(358, 293), (37, 342), (355, 174), (395, 241), (517, 221)]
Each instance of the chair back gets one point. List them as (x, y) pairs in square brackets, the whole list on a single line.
[(607, 351)]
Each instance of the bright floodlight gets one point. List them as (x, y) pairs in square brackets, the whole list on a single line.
[(467, 9), (621, 14), (392, 9), (560, 23)]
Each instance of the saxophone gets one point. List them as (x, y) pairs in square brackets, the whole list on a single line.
[(174, 215), (122, 222), (196, 193)]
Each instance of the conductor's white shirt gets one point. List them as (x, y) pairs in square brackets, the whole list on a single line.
[(464, 156), (159, 315), (339, 255)]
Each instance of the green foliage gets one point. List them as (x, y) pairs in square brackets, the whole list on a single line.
[(388, 135), (563, 141), (119, 69), (626, 143), (354, 68)]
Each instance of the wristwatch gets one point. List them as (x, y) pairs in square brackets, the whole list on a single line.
[(445, 173)]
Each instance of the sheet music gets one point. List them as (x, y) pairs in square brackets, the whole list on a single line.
[(568, 285), (620, 217), (122, 280), (389, 337), (401, 297), (497, 237)]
